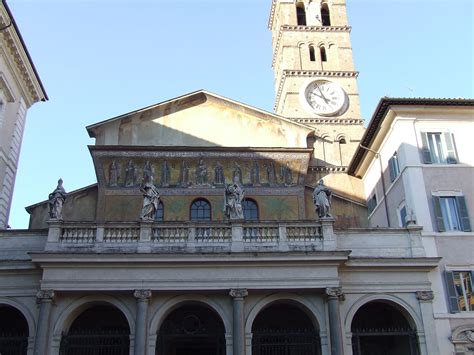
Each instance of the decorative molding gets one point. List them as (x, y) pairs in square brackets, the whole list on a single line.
[(310, 74), (334, 292), (328, 169), (142, 295), (335, 121), (45, 296), (284, 28), (238, 293), (425, 296), (7, 91)]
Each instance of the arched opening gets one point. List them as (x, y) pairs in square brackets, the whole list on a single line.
[(200, 210), (191, 329), (250, 208), (160, 212), (312, 55), (284, 329), (300, 14), (380, 328), (99, 330), (13, 331), (341, 141), (325, 16), (324, 57)]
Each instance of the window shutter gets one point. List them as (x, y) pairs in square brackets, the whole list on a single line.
[(425, 150), (451, 152), (463, 215), (452, 295), (438, 214), (391, 167)]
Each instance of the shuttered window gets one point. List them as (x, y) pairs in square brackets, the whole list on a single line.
[(438, 148), (393, 167), (372, 203), (459, 288), (451, 213)]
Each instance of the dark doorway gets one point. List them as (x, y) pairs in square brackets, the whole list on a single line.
[(284, 329), (99, 330), (379, 328), (191, 330), (13, 331)]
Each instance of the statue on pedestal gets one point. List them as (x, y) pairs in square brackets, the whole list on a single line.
[(233, 197), (322, 200), (151, 199), (56, 201)]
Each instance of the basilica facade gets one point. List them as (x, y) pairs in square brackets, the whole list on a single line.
[(219, 228)]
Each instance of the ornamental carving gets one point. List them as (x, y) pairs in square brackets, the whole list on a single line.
[(238, 293), (463, 339), (424, 295), (335, 292), (44, 295), (142, 294)]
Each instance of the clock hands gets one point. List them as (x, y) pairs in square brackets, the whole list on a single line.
[(322, 95)]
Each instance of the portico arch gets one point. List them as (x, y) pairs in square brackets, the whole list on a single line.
[(24, 310), (14, 331)]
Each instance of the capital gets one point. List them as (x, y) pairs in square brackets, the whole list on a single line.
[(142, 295), (238, 293), (334, 292), (424, 296), (44, 296)]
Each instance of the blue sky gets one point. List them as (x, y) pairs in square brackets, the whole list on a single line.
[(98, 59)]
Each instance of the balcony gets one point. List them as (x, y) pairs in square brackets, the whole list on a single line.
[(189, 237)]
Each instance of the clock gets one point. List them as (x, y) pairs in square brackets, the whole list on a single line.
[(325, 98)]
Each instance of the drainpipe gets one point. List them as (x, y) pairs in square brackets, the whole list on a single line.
[(384, 190)]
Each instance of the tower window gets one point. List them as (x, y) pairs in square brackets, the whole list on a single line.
[(312, 56), (300, 14), (325, 17), (324, 57)]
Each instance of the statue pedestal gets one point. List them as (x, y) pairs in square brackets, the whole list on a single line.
[(327, 231)]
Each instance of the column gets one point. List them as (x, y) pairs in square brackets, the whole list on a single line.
[(426, 298), (335, 331), (141, 326), (45, 300), (238, 327)]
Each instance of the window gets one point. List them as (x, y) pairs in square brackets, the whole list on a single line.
[(372, 203), (325, 17), (393, 167), (459, 287), (250, 210), (159, 212), (200, 210), (438, 148), (451, 213), (300, 14), (403, 216), (312, 56), (324, 57)]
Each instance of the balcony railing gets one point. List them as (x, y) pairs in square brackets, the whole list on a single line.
[(189, 237)]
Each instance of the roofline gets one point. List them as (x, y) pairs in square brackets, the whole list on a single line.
[(201, 91), (380, 113), (15, 26)]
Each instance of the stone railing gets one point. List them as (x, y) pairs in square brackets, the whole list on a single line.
[(189, 237)]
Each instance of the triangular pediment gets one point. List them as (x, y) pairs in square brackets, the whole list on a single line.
[(200, 119)]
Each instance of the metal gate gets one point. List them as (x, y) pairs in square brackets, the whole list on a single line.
[(13, 344), (285, 342), (377, 341), (95, 343)]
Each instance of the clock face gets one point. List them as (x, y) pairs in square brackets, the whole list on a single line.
[(325, 98)]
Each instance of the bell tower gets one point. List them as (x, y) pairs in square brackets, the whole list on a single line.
[(315, 78)]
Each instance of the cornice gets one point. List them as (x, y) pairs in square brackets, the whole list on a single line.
[(335, 121), (16, 50), (309, 74), (295, 28), (328, 169)]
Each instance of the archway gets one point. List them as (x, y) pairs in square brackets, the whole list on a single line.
[(192, 329), (13, 331), (284, 329), (99, 330), (380, 328)]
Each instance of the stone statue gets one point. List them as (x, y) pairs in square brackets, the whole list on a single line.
[(184, 175), (165, 174), (237, 172), (233, 197), (130, 174), (322, 199), (219, 178), (113, 173), (56, 201), (148, 174), (201, 173), (255, 174), (151, 199), (286, 174), (271, 176)]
